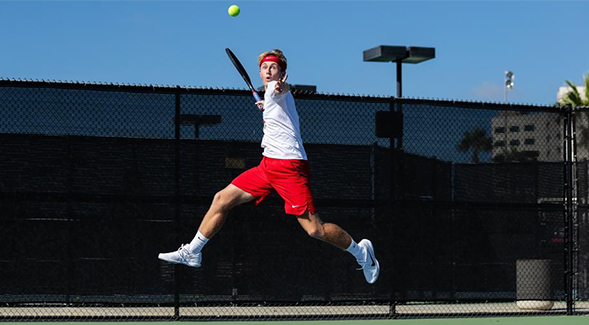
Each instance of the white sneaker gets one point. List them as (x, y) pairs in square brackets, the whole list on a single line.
[(369, 264), (182, 256)]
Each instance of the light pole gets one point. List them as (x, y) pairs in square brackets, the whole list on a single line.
[(509, 76), (390, 124), (508, 84)]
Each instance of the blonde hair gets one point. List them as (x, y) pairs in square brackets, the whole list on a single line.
[(276, 52)]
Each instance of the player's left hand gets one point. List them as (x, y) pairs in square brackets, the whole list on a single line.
[(281, 86)]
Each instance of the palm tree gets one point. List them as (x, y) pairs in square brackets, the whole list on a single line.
[(575, 99), (477, 141)]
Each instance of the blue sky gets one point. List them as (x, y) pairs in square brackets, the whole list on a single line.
[(182, 43)]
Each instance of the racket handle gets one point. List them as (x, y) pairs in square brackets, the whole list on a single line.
[(257, 97)]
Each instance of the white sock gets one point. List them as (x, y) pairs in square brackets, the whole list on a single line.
[(197, 243), (355, 250)]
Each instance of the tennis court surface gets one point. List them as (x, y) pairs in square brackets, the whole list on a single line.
[(553, 320)]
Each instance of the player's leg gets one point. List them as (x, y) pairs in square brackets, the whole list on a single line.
[(223, 201), (251, 184), (214, 219), (290, 178), (335, 235), (327, 232)]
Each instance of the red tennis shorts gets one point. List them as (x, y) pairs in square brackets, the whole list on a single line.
[(288, 177)]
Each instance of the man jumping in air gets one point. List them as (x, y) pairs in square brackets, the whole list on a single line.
[(284, 169)]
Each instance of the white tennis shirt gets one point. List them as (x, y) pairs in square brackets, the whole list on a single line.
[(282, 133)]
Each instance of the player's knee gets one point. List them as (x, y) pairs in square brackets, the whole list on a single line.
[(316, 231), (222, 200)]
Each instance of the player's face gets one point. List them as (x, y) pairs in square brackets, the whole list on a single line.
[(270, 71)]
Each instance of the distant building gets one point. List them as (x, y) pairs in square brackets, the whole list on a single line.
[(533, 136), (536, 136)]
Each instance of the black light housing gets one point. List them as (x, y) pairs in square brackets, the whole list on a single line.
[(405, 54)]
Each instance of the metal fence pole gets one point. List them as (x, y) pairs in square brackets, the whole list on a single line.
[(568, 189), (177, 202), (70, 222), (574, 246), (393, 302)]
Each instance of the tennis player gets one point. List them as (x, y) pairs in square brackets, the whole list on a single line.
[(284, 168)]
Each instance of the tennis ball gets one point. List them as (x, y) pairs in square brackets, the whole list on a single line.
[(233, 11)]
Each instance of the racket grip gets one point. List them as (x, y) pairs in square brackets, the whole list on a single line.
[(257, 97)]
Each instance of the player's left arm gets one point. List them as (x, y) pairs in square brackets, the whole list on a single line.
[(280, 88)]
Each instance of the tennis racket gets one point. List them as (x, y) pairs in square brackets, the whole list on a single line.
[(243, 73)]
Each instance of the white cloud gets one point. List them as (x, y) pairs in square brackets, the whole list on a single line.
[(488, 91)]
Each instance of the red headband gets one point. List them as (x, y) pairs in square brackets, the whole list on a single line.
[(274, 58)]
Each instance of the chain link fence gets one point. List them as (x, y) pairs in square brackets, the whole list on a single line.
[(474, 208)]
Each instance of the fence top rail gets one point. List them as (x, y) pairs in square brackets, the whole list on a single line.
[(167, 89), (481, 105)]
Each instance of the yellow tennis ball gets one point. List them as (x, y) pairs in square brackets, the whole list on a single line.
[(233, 11)]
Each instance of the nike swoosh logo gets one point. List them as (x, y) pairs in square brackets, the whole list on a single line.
[(371, 258)]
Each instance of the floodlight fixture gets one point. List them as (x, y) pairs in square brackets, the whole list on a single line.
[(399, 55), (509, 76)]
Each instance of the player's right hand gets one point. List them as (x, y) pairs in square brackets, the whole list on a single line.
[(260, 105)]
